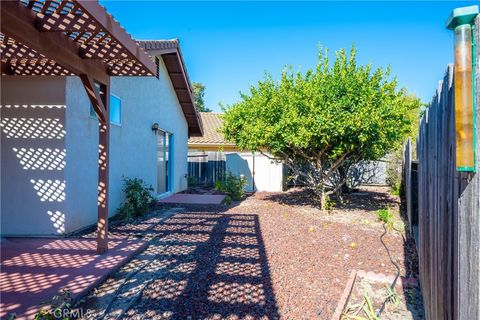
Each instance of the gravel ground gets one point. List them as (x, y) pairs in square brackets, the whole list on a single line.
[(271, 256)]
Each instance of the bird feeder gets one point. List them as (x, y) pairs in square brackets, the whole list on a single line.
[(461, 21)]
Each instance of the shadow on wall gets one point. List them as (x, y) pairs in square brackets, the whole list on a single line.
[(203, 265), (33, 164), (238, 165)]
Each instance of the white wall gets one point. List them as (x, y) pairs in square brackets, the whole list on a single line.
[(261, 173), (33, 200), (145, 100)]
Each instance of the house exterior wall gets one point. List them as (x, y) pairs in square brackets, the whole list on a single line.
[(66, 199), (133, 154), (33, 198)]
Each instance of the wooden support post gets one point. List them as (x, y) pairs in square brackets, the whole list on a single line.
[(103, 170)]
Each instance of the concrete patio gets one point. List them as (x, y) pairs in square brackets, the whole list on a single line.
[(33, 270), (187, 198)]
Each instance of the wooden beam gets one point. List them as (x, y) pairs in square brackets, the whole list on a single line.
[(94, 96), (46, 5), (18, 22), (65, 23), (61, 6), (106, 21), (103, 171), (7, 68)]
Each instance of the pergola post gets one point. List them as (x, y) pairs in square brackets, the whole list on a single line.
[(67, 38), (103, 170)]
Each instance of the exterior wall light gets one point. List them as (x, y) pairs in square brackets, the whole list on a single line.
[(461, 21), (155, 128)]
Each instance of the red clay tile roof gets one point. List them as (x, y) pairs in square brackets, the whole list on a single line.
[(212, 123)]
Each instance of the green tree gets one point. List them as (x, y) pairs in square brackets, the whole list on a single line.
[(198, 95), (317, 121)]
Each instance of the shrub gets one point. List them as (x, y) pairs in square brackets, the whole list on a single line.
[(138, 198), (386, 215), (192, 180), (232, 185), (227, 200)]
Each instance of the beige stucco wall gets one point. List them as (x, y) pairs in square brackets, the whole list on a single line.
[(145, 100), (33, 200), (74, 145)]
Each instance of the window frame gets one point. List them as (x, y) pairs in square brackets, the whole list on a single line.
[(93, 115)]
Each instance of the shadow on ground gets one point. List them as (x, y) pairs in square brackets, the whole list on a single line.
[(365, 200), (199, 265)]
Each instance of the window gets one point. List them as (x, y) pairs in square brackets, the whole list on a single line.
[(115, 110)]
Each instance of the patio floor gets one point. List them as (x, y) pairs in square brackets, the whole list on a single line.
[(33, 270), (187, 198)]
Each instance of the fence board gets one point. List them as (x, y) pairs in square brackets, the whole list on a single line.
[(449, 210), (407, 180), (205, 168)]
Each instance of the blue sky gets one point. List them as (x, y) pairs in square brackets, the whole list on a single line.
[(230, 45)]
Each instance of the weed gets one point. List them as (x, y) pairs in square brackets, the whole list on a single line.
[(392, 296), (60, 307), (329, 204), (352, 312), (395, 189), (386, 215)]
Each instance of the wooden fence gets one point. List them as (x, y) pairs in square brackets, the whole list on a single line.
[(449, 212)]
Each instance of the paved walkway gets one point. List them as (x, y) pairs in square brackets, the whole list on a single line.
[(186, 198), (34, 269), (198, 265)]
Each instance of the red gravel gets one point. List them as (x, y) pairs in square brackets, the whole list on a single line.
[(264, 258)]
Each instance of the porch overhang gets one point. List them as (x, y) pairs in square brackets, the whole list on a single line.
[(169, 51), (73, 38)]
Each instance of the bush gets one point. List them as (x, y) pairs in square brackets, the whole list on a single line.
[(232, 185), (192, 180), (138, 198)]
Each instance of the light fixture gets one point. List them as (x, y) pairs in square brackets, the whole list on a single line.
[(155, 128), (461, 21)]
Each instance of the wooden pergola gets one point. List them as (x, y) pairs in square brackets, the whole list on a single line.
[(74, 38)]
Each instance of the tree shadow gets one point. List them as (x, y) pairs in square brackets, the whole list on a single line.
[(359, 199), (205, 264)]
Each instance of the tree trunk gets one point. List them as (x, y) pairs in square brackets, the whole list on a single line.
[(344, 189)]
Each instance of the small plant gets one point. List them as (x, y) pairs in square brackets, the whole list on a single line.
[(138, 198), (192, 180), (392, 296), (368, 308), (232, 185), (395, 189), (227, 200), (329, 204), (59, 307), (386, 215)]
